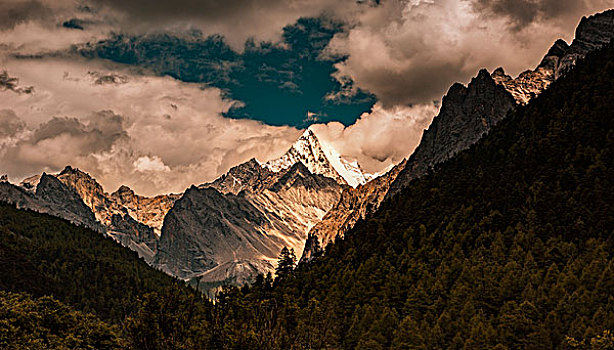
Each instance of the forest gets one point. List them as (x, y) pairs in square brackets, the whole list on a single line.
[(509, 245)]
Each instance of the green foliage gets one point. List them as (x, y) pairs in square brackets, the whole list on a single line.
[(45, 323), (286, 262), (510, 245), (172, 319), (43, 255)]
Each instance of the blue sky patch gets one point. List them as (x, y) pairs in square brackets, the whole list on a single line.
[(279, 84)]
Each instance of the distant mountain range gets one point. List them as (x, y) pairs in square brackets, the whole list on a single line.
[(229, 230)]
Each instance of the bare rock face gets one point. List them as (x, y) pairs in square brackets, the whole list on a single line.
[(354, 204), (22, 199), (149, 211), (468, 113), (145, 210), (591, 34), (134, 235), (66, 201), (134, 221), (248, 176), (29, 184), (206, 228), (51, 197), (320, 158), (90, 192), (215, 238), (532, 82)]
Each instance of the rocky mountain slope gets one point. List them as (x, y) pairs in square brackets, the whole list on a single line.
[(354, 204), (467, 113), (225, 231), (134, 221), (249, 176), (228, 231), (52, 197)]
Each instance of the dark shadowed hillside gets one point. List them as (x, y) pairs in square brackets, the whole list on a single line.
[(509, 245), (44, 255)]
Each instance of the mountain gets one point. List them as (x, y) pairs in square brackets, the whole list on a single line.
[(45, 255), (68, 287), (218, 238), (302, 200), (353, 205), (223, 232), (53, 197), (230, 230), (134, 221), (466, 115), (148, 211), (507, 245), (248, 176), (319, 158)]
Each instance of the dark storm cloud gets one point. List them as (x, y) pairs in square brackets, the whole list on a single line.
[(207, 9), (56, 142), (236, 20), (103, 129), (521, 13), (8, 82), (408, 52), (13, 12)]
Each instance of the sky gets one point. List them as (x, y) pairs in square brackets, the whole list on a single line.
[(161, 95)]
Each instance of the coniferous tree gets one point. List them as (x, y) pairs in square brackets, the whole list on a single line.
[(286, 262)]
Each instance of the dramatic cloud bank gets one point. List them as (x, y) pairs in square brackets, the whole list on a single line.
[(381, 138), (160, 135), (412, 51), (154, 134)]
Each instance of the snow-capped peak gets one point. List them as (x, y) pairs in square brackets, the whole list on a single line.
[(320, 158)]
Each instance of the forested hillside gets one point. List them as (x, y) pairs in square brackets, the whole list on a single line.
[(43, 255), (45, 323), (509, 246)]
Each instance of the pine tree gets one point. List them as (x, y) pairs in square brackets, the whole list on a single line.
[(286, 262)]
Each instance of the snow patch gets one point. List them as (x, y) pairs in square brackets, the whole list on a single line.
[(320, 158)]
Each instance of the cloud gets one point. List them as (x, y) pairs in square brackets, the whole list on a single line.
[(411, 51), (154, 134), (160, 135), (403, 51), (237, 20), (150, 164), (10, 123), (13, 12), (157, 134), (60, 141), (522, 13), (9, 83), (380, 138)]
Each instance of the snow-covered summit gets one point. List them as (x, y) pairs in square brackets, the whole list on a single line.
[(320, 158)]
